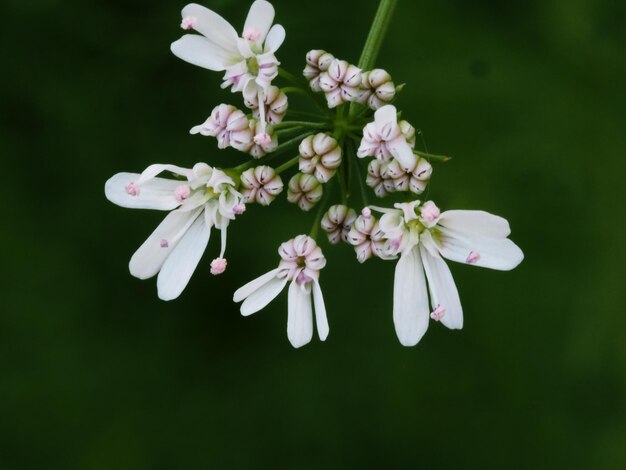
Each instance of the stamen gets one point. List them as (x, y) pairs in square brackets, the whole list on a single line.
[(252, 34), (366, 213), (132, 188), (262, 139), (261, 112), (164, 243), (473, 257), (438, 313), (182, 192), (239, 209), (218, 266), (303, 278), (430, 212), (189, 22)]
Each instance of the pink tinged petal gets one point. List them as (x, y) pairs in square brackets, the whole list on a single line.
[(248, 289), (199, 51), (189, 22), (475, 223), (260, 18), (157, 193), (182, 262), (386, 122), (258, 299), (402, 152), (410, 301), (148, 259), (245, 50), (275, 38), (299, 315), (320, 312), (495, 253), (215, 28), (443, 291)]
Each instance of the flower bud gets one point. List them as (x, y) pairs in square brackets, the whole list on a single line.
[(413, 179), (317, 61), (337, 222), (377, 178), (276, 104), (223, 122), (304, 190), (366, 237), (320, 155), (378, 88), (408, 131), (260, 185), (263, 141)]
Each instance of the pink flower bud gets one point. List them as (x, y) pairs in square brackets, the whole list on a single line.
[(320, 155), (260, 185), (337, 222), (304, 190)]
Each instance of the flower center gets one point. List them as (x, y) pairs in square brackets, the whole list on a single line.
[(253, 65)]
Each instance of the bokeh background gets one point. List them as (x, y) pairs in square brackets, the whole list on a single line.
[(527, 97)]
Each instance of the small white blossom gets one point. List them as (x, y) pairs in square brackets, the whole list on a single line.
[(317, 62), (300, 265), (341, 83), (378, 88), (229, 125), (206, 198), (384, 139), (423, 236)]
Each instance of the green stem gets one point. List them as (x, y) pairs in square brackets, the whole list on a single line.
[(299, 82), (315, 229), (288, 164), (312, 125), (359, 175), (377, 34), (430, 156)]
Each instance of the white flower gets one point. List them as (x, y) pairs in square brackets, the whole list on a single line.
[(384, 139), (301, 263), (206, 198), (424, 236), (248, 61)]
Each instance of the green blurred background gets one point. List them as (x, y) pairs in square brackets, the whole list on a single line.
[(97, 373)]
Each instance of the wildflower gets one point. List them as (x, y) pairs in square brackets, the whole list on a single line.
[(423, 236), (317, 62), (248, 61), (275, 105), (378, 87), (301, 263), (367, 238), (414, 179), (229, 125), (341, 83), (383, 139), (206, 198)]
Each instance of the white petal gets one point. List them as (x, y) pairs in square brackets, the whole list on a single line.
[(260, 18), (275, 38), (299, 315), (157, 168), (262, 296), (157, 193), (410, 301), (213, 26), (198, 50), (475, 223), (443, 290), (182, 262), (320, 312), (385, 115), (402, 152), (245, 50), (150, 256), (495, 253), (246, 290)]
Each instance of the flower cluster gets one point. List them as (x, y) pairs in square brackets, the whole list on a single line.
[(355, 131)]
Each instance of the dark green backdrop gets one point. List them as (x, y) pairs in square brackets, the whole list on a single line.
[(97, 373)]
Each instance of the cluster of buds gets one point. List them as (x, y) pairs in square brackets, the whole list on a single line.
[(337, 223), (386, 177), (232, 128), (320, 155), (366, 237), (344, 82), (275, 105), (260, 185), (304, 190)]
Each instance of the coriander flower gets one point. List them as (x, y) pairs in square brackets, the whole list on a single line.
[(204, 199), (423, 236), (248, 61), (301, 263)]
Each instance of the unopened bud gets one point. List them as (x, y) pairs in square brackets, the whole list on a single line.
[(304, 190), (276, 104), (337, 222), (317, 61), (260, 185), (320, 155), (265, 140)]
